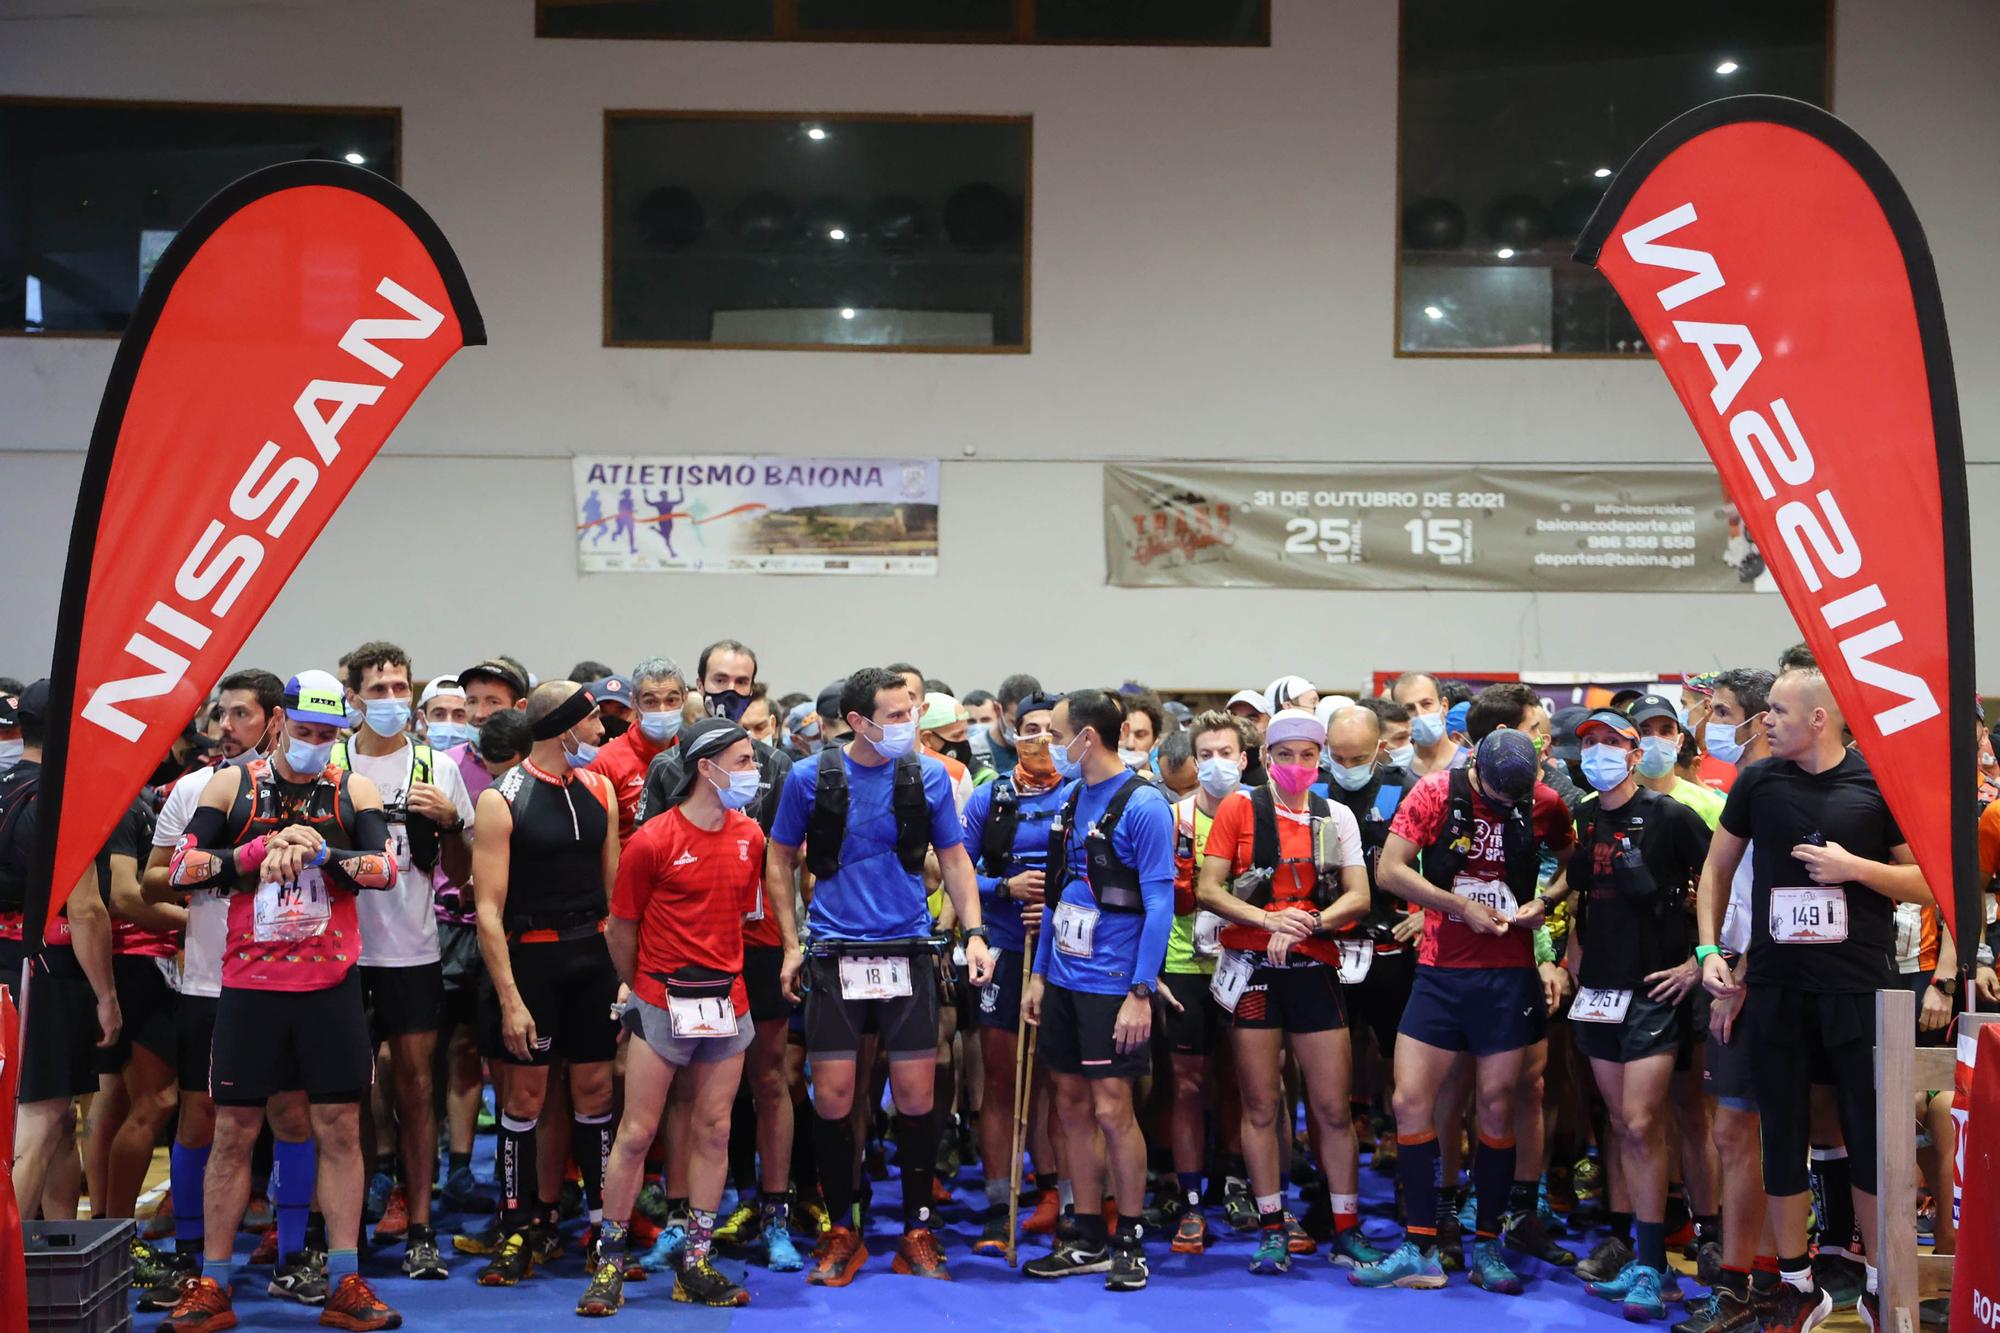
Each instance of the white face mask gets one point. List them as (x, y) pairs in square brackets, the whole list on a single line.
[(1135, 758), (1353, 779), (660, 727), (1219, 776), (1605, 766), (1403, 755), (1719, 739), (1427, 728), (305, 759), (896, 739), (581, 756), (10, 754)]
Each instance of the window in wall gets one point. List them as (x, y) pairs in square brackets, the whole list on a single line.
[(1513, 120), (1111, 22), (786, 230), (91, 192)]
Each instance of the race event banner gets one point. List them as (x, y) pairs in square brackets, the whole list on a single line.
[(746, 515), (1389, 529)]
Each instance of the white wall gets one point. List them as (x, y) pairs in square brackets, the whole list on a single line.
[(1213, 268)]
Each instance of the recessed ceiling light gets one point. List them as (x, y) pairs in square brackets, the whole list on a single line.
[(815, 133), (847, 312), (356, 158), (1505, 252), (1433, 312), (1726, 67), (1601, 172), (836, 234)]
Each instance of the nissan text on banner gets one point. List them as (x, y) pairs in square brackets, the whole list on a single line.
[(1782, 279), (283, 334)]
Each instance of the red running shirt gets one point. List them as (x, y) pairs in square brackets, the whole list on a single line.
[(1448, 941), (1234, 835), (687, 889)]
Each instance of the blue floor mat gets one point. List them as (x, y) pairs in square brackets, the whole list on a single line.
[(1210, 1291)]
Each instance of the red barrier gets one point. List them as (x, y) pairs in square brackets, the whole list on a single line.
[(1975, 1274), (13, 1257)]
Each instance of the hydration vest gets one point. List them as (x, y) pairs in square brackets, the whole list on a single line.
[(1452, 848), (1254, 886), (1631, 877), (997, 853), (421, 832), (1114, 884), (826, 830), (261, 807)]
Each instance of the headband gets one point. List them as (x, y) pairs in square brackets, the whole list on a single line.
[(564, 716)]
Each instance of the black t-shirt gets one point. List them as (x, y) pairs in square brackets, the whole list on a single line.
[(1628, 932), (1780, 805)]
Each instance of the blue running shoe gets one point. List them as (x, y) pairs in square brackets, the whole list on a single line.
[(666, 1251), (1614, 1289), (1643, 1303), (380, 1187), (1489, 1270), (1468, 1212), (780, 1255), (1273, 1254), (1408, 1266), (1350, 1249)]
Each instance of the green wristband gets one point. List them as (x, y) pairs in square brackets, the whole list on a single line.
[(1704, 952)]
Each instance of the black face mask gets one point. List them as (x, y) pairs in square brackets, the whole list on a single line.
[(614, 727), (727, 703), (960, 750)]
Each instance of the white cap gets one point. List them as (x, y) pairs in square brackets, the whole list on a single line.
[(1295, 724), (442, 685), (1255, 698), (1283, 691), (1330, 705)]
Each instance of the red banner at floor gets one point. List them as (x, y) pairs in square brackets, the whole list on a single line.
[(1975, 1273), (1782, 280)]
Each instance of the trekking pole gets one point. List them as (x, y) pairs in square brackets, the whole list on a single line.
[(1024, 1082)]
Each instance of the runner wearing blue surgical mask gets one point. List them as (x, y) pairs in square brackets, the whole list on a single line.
[(446, 718), (1419, 692)]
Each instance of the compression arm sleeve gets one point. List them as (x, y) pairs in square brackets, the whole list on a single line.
[(200, 861), (372, 863)]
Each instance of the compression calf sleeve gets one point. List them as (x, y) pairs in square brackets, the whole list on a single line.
[(590, 1144), (1493, 1178), (293, 1167), (514, 1169), (916, 1154), (187, 1170), (1416, 1169), (833, 1145)]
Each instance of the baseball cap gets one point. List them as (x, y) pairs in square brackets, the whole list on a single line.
[(493, 669), (1610, 720), (1255, 698), (1041, 701), (1649, 706), (828, 705), (442, 685), (613, 690), (1562, 732), (314, 696), (940, 710), (1280, 693), (34, 701), (1507, 765), (1454, 718), (1623, 698), (1294, 724)]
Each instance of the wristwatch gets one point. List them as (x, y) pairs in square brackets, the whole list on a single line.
[(1949, 985), (978, 933), (1140, 990)]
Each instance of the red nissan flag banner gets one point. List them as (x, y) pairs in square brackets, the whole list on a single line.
[(283, 334), (1782, 280), (13, 1256)]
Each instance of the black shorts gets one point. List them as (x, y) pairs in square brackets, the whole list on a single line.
[(1650, 1028), (1000, 998), (1799, 1038), (1201, 1021), (763, 977), (1727, 1076), (402, 1000), (1483, 1010), (59, 1038), (1300, 999), (146, 1002), (1377, 1001), (194, 1040), (569, 987), (1077, 1035), (463, 967), (314, 1041), (906, 1026)]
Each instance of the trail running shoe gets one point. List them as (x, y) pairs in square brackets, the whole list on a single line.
[(1351, 1249), (204, 1307), (1129, 1271), (513, 1261), (1191, 1236), (740, 1227), (918, 1255), (666, 1251), (1450, 1243), (1296, 1239), (1643, 1303), (1795, 1311), (780, 1254), (422, 1261), (837, 1258), (1406, 1266), (1238, 1207), (1723, 1312), (463, 1193), (1606, 1262), (1273, 1255), (355, 1307), (1069, 1259), (298, 1278), (167, 1292), (487, 1240), (376, 1202), (704, 1284), (605, 1295), (993, 1235), (1489, 1270), (1042, 1221), (1525, 1234)]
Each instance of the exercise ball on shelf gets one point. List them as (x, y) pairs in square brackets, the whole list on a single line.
[(1433, 224), (1517, 220)]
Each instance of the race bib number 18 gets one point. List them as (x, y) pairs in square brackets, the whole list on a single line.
[(874, 978)]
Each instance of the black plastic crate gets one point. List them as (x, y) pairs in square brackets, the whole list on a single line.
[(109, 1312), (72, 1264)]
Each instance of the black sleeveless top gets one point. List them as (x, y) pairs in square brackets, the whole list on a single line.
[(555, 861)]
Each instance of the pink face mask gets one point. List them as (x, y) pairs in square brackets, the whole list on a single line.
[(1292, 779)]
